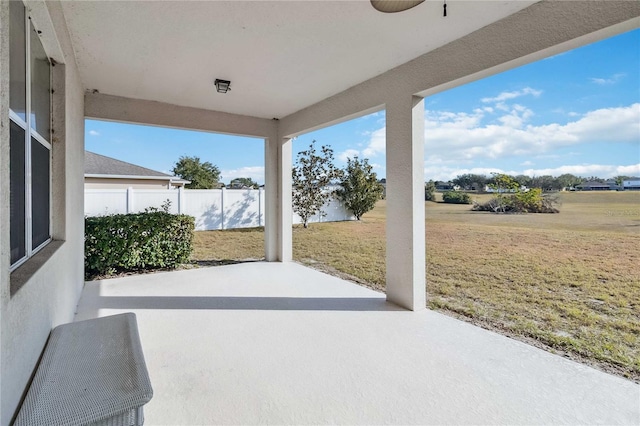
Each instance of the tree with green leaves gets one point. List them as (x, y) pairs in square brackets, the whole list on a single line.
[(202, 175), (568, 180), (311, 175), (243, 182), (503, 183), (512, 199), (470, 181), (430, 191), (359, 187)]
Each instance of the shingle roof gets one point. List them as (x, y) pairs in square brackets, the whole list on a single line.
[(96, 164)]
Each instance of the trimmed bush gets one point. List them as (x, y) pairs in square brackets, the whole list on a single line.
[(132, 242), (454, 197)]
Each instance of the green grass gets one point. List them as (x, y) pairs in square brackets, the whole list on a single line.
[(568, 282)]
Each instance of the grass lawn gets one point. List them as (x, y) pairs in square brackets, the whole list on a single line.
[(568, 282)]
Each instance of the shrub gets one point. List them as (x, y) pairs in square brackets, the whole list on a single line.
[(521, 202), (130, 242), (454, 197), (430, 191)]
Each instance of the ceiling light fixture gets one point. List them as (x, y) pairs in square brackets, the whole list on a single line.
[(222, 86), (393, 6)]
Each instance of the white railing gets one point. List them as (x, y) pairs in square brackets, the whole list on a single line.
[(212, 208)]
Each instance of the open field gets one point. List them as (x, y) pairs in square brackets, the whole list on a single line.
[(568, 282)]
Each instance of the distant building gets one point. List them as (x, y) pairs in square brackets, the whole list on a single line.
[(594, 186), (631, 185), (446, 186), (102, 172)]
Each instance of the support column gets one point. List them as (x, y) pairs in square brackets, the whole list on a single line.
[(405, 202), (278, 212)]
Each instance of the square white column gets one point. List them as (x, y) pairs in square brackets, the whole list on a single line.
[(405, 231), (278, 212)]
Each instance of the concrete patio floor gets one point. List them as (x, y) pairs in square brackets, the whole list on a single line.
[(279, 343)]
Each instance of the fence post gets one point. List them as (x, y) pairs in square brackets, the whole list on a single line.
[(181, 206), (130, 199), (223, 191), (260, 203)]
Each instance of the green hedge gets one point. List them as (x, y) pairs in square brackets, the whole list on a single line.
[(454, 197), (131, 242)]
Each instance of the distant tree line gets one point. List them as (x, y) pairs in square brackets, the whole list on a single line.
[(547, 183)]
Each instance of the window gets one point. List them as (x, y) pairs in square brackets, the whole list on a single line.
[(30, 136)]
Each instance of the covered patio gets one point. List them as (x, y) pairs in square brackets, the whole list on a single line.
[(279, 343), (274, 342)]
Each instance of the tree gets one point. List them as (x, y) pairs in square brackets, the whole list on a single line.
[(360, 189), (593, 179), (202, 175), (243, 182), (620, 180), (430, 191), (503, 183), (470, 181), (310, 178), (545, 182), (568, 180), (512, 199), (523, 180)]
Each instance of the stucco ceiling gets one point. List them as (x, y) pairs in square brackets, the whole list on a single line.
[(280, 56)]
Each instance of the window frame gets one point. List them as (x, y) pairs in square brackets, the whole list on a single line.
[(32, 134)]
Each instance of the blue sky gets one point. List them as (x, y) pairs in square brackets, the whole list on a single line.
[(577, 112)]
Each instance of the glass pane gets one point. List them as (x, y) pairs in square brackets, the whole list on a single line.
[(17, 187), (39, 192), (17, 60), (40, 88)]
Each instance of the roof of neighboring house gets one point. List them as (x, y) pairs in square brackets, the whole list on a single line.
[(593, 183), (96, 165)]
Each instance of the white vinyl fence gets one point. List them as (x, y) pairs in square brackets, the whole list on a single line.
[(212, 208)]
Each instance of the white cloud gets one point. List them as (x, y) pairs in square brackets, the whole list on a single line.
[(504, 96), (607, 81), (254, 172), (349, 153), (94, 133), (516, 117), (455, 140), (527, 163), (601, 170), (462, 136), (377, 143)]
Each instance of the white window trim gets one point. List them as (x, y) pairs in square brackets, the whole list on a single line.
[(32, 133)]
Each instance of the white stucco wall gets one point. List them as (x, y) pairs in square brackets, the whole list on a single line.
[(51, 290)]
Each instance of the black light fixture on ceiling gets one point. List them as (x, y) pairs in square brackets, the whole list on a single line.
[(392, 6), (222, 86)]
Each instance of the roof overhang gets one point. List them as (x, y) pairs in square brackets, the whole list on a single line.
[(307, 63), (171, 179)]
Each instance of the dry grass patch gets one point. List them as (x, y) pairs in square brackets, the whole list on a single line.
[(228, 245), (568, 282)]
